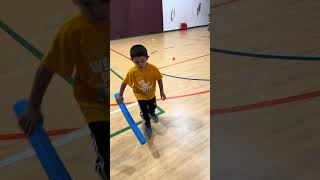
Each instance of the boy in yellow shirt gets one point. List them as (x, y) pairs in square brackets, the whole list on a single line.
[(142, 78), (80, 50)]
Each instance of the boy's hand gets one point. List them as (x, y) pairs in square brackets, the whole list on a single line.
[(162, 95), (30, 119), (119, 99)]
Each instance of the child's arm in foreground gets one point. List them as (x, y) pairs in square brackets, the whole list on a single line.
[(33, 115), (122, 88), (163, 96)]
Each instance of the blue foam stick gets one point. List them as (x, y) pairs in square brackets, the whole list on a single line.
[(41, 144), (130, 121)]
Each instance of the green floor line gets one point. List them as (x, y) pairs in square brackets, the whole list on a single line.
[(128, 127), (24, 43), (118, 75), (160, 109), (39, 55), (21, 40)]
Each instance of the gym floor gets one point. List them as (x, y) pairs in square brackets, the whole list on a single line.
[(266, 89)]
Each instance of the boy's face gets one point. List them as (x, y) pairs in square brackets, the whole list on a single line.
[(140, 61), (96, 11)]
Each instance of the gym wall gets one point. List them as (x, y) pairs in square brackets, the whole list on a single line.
[(135, 17), (193, 12), (140, 17)]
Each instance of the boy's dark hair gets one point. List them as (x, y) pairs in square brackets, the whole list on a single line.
[(138, 50)]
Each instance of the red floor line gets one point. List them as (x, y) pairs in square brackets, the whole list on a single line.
[(246, 107), (173, 97), (185, 61), (267, 103), (262, 104), (166, 65), (57, 132), (6, 137), (120, 54)]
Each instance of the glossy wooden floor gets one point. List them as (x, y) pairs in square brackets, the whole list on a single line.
[(179, 148), (271, 142)]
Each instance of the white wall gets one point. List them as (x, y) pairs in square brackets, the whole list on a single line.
[(185, 11)]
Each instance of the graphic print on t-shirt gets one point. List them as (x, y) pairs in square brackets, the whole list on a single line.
[(144, 87), (101, 67)]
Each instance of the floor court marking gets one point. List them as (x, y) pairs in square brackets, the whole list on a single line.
[(168, 75), (267, 103), (200, 40), (186, 78), (28, 153), (191, 59), (56, 143), (7, 137), (61, 141), (128, 107), (174, 97), (52, 133), (266, 56), (195, 58)]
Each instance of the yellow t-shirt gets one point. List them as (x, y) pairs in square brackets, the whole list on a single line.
[(80, 50), (143, 82)]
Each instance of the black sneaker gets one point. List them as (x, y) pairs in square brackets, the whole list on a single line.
[(154, 117)]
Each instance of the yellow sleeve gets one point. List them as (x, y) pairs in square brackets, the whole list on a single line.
[(157, 74), (61, 56), (129, 79)]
